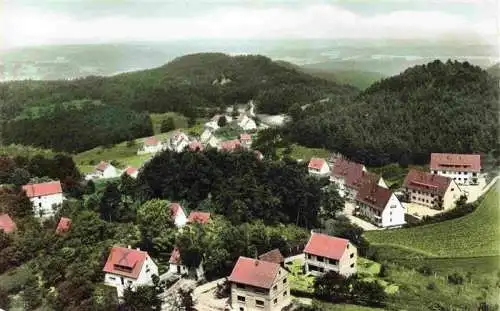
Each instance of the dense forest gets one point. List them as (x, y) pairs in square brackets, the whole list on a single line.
[(438, 107)]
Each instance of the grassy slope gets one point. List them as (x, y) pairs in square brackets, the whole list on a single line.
[(180, 121)]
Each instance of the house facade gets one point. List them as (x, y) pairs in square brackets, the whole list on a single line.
[(177, 267), (7, 225), (106, 170), (464, 169), (45, 197), (127, 267), (178, 214), (230, 145), (131, 171), (213, 124), (151, 145), (178, 142), (325, 253), (379, 206), (259, 285), (246, 123), (246, 140), (208, 139), (433, 191), (318, 167)]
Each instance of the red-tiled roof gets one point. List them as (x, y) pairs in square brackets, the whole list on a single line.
[(350, 171), (175, 257), (199, 217), (373, 195), (316, 163), (125, 261), (455, 162), (131, 170), (427, 182), (230, 145), (254, 272), (195, 146), (102, 166), (245, 136), (42, 189), (175, 209), (326, 246), (273, 256), (151, 141), (6, 223), (63, 225), (366, 178)]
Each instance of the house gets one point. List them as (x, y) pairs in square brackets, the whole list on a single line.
[(127, 267), (464, 169), (434, 191), (151, 145), (7, 225), (177, 267), (230, 145), (131, 171), (195, 146), (207, 138), (246, 140), (259, 285), (319, 167), (178, 215), (379, 206), (213, 124), (178, 142), (199, 217), (106, 170), (64, 225), (325, 253), (45, 197), (246, 123), (273, 256)]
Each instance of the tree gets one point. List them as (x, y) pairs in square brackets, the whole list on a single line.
[(234, 112), (153, 218), (167, 125), (222, 121), (143, 298), (127, 185), (89, 187), (32, 296), (110, 204), (20, 177), (368, 293), (331, 286), (4, 299), (295, 112), (331, 202), (186, 297)]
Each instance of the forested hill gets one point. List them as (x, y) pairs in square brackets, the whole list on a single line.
[(448, 107)]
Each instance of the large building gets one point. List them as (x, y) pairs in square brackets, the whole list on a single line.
[(379, 206), (464, 169), (128, 267), (431, 190), (45, 197), (325, 253), (259, 285)]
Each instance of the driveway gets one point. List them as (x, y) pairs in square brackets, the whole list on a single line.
[(348, 212)]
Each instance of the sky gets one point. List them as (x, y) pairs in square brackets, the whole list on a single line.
[(42, 22)]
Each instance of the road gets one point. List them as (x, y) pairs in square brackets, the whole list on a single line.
[(348, 211)]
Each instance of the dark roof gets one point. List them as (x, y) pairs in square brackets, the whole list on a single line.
[(427, 182), (273, 256), (373, 195)]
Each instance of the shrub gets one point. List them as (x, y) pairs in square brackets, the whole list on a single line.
[(383, 271), (425, 270), (431, 286), (455, 278)]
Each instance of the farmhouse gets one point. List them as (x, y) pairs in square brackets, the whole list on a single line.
[(128, 267), (380, 206), (198, 217), (434, 191), (151, 145), (464, 169), (178, 215), (7, 225), (325, 253), (246, 123), (131, 171), (64, 225), (318, 167), (259, 285), (106, 170), (246, 140), (178, 142), (177, 267), (273, 256), (45, 197)]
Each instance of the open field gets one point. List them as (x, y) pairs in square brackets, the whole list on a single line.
[(304, 153), (180, 121)]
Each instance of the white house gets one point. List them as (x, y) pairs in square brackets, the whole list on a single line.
[(246, 123), (176, 266), (151, 145), (213, 124), (246, 140), (464, 169), (128, 267), (379, 206), (131, 171), (325, 253), (106, 170), (319, 167), (178, 215), (208, 139), (45, 197), (178, 142)]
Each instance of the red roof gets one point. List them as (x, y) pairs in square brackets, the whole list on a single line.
[(64, 225), (350, 171), (245, 136), (326, 246), (230, 145), (175, 257), (366, 178), (426, 182), (199, 217), (317, 163), (125, 261), (273, 256), (254, 272), (6, 223), (175, 209), (455, 162), (195, 146), (131, 170), (373, 195), (151, 141), (42, 189), (102, 166)]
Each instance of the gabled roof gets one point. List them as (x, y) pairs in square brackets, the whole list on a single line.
[(254, 272), (316, 163), (195, 146), (199, 217), (245, 136), (427, 182), (230, 145), (273, 256), (366, 178), (6, 223), (125, 261), (102, 166), (326, 246), (350, 171), (151, 141), (43, 189), (175, 209), (175, 257), (455, 162), (374, 196), (130, 170), (63, 225)]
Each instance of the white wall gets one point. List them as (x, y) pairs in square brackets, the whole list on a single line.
[(180, 220), (45, 204), (394, 213), (343, 266), (460, 177), (151, 149), (110, 172), (324, 171), (148, 269)]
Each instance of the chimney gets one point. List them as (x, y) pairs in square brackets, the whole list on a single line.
[(129, 247), (256, 262)]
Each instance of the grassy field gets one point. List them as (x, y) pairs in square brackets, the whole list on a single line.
[(304, 153), (180, 121)]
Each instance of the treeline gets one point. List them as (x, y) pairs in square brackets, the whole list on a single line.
[(438, 107), (75, 127)]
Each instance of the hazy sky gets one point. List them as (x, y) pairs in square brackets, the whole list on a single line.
[(34, 22)]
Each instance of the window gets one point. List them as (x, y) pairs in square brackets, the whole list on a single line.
[(435, 172), (321, 269), (332, 261), (319, 258), (452, 189), (259, 303), (352, 265), (352, 255), (285, 293), (112, 278), (275, 287), (275, 300), (242, 309), (40, 204), (147, 270), (241, 298), (284, 281)]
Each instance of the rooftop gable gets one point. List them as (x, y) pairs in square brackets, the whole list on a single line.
[(175, 209), (426, 182), (125, 262), (273, 256), (374, 196), (199, 217), (326, 246), (43, 189), (254, 272), (316, 163), (102, 166), (455, 162), (6, 223), (151, 141)]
